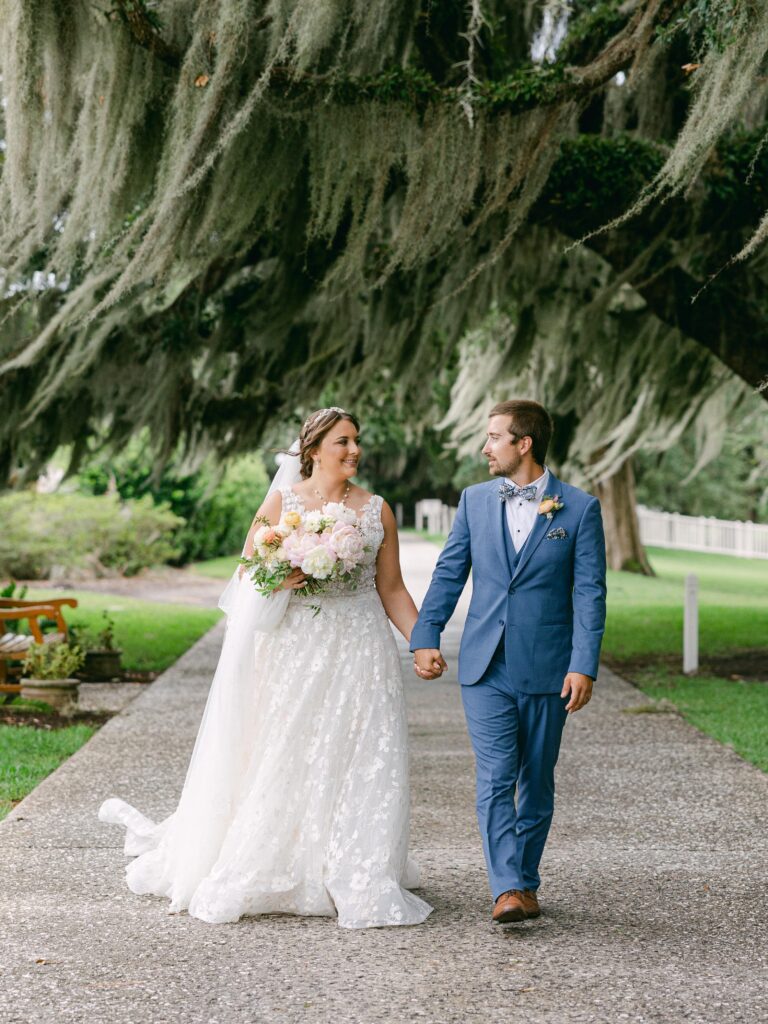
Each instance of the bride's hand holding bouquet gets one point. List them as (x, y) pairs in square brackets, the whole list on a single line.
[(307, 550)]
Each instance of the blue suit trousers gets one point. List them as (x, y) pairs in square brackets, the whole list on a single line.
[(516, 741)]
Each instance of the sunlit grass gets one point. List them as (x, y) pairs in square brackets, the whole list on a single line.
[(645, 613), (735, 712), (151, 635), (27, 755)]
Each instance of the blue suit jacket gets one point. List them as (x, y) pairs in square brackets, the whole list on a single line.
[(551, 609)]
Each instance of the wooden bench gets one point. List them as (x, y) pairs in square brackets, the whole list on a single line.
[(13, 646)]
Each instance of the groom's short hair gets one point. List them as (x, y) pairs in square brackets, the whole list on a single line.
[(529, 419)]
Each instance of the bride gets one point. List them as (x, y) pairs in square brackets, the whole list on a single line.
[(296, 797)]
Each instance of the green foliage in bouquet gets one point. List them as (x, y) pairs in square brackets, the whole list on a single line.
[(52, 661), (265, 578)]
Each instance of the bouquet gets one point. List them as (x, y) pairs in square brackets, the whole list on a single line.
[(326, 544)]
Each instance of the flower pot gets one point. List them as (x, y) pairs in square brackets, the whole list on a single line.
[(61, 694), (101, 665)]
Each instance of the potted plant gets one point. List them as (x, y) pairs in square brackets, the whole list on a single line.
[(48, 675), (102, 655)]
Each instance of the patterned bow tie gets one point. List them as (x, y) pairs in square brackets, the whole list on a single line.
[(507, 490)]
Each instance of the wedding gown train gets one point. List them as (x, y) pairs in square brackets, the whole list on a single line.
[(296, 799)]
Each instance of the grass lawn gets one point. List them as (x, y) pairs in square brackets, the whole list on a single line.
[(645, 613), (152, 635), (643, 642), (216, 568), (27, 755), (735, 712)]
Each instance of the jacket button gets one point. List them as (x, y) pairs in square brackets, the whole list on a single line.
[(511, 590), (501, 622)]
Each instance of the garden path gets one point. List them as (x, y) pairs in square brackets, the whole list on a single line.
[(654, 890)]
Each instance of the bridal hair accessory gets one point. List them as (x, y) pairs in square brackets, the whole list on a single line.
[(323, 412)]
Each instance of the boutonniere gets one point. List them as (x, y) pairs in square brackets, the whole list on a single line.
[(550, 504)]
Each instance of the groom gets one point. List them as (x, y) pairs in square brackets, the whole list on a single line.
[(531, 642)]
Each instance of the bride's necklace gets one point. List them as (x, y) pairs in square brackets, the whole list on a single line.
[(326, 500)]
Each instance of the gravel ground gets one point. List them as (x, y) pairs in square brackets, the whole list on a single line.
[(654, 891)]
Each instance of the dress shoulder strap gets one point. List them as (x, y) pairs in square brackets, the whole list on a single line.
[(375, 503), (290, 499)]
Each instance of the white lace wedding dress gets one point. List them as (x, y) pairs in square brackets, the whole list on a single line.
[(310, 812)]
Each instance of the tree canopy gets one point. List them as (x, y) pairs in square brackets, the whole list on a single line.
[(208, 211)]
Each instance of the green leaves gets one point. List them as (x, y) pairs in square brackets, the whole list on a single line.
[(52, 661)]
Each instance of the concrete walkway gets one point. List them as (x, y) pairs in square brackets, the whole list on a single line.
[(654, 895)]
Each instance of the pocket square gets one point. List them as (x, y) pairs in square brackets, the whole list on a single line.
[(557, 534)]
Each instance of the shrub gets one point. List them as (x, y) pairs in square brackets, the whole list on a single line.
[(9, 591), (222, 514), (93, 639), (217, 504), (13, 591), (52, 661), (47, 535)]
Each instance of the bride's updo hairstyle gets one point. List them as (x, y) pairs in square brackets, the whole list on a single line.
[(316, 426)]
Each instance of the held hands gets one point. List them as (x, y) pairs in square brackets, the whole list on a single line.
[(580, 688), (428, 663)]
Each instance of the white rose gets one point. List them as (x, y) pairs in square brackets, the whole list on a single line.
[(313, 521), (339, 512), (319, 562)]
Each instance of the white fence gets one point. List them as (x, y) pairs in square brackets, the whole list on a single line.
[(658, 529), (433, 516), (701, 533)]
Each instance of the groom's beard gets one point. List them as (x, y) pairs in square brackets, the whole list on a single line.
[(508, 468)]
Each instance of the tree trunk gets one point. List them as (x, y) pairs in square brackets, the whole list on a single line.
[(622, 528)]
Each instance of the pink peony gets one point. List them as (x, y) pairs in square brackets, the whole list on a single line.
[(298, 545), (347, 543)]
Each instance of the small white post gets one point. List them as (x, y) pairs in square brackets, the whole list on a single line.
[(399, 514), (691, 625)]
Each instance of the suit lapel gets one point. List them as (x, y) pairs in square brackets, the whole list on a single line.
[(539, 528), (497, 524)]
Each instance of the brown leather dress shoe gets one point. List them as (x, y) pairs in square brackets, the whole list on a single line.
[(509, 907), (530, 902)]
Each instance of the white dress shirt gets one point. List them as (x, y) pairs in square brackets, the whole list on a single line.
[(521, 514)]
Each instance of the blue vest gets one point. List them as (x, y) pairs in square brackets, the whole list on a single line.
[(513, 557)]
